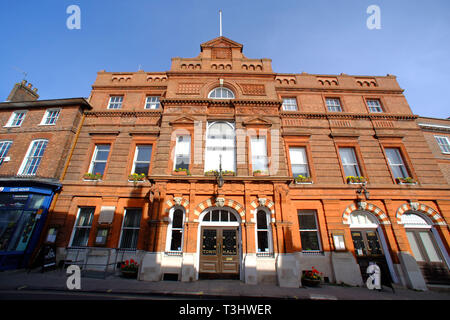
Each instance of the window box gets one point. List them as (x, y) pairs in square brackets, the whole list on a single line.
[(259, 173), (228, 173), (356, 180), (303, 180), (91, 176), (211, 173), (181, 172), (135, 177), (407, 180)]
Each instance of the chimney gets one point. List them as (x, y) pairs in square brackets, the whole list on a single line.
[(23, 92)]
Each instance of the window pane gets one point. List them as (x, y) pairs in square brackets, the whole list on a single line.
[(177, 220), (81, 237), (141, 168), (99, 167), (144, 153), (309, 240), (129, 238), (102, 152), (425, 236), (263, 241), (215, 215), (175, 245), (414, 246), (261, 220), (132, 218), (85, 217), (307, 221)]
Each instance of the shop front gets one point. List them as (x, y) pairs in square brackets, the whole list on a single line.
[(23, 211)]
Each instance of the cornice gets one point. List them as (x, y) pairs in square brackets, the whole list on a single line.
[(341, 90), (323, 115), (129, 87), (115, 113)]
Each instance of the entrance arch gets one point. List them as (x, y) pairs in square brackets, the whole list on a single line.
[(219, 243), (370, 243)]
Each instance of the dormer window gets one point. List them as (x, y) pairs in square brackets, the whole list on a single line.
[(221, 93)]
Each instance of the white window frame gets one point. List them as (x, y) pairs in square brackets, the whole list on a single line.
[(222, 96), (5, 145), (400, 165), (28, 157), (209, 145), (115, 104), (316, 230), (354, 164), (75, 227), (293, 161), (259, 156), (170, 229), (268, 230), (378, 108), (129, 228), (47, 117), (94, 157), (290, 104), (152, 103), (136, 155), (178, 152), (333, 104), (445, 146), (15, 117)]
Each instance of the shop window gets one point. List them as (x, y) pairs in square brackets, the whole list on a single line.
[(130, 228), (33, 158), (82, 228), (309, 231)]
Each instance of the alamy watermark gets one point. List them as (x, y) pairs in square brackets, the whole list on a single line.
[(74, 20), (374, 20), (74, 278)]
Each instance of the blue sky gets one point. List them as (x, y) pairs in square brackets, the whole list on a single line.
[(322, 37)]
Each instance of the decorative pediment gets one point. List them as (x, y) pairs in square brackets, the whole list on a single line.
[(221, 42), (257, 122), (182, 121)]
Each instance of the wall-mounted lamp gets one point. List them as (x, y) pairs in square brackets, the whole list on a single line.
[(219, 175), (363, 189)]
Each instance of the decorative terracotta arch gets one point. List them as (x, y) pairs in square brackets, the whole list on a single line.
[(219, 202), (262, 202), (364, 206), (177, 201), (435, 217)]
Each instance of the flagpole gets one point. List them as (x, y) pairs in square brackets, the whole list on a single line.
[(220, 19)]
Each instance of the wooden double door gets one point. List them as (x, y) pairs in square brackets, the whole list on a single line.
[(368, 249), (219, 252)]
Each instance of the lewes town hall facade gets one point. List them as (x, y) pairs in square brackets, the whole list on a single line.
[(222, 168)]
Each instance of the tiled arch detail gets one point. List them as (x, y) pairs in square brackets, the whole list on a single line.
[(382, 217), (180, 201), (226, 203), (267, 203), (426, 210)]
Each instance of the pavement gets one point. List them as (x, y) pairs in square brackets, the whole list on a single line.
[(55, 281)]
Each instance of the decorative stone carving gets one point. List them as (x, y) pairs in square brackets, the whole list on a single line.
[(262, 201), (362, 205), (414, 205), (177, 200), (220, 202)]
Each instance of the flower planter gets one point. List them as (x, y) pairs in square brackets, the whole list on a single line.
[(259, 174), (310, 282), (180, 173), (210, 173), (129, 274)]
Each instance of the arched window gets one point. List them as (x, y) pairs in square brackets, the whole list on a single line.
[(263, 234), (221, 93), (220, 144), (176, 231)]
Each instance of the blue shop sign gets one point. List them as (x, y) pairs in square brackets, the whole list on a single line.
[(26, 189)]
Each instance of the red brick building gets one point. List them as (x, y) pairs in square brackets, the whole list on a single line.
[(36, 136), (255, 175)]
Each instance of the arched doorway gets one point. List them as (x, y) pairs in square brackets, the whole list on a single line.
[(424, 243), (219, 242), (370, 245)]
